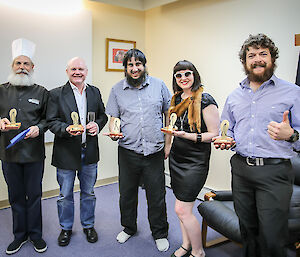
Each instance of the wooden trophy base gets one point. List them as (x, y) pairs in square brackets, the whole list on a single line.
[(168, 130), (219, 142), (115, 134), (76, 128), (14, 126)]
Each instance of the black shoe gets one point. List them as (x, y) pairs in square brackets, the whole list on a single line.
[(15, 246), (187, 254), (39, 245), (91, 235), (64, 237)]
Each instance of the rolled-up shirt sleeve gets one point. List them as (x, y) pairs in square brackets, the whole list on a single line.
[(112, 107), (227, 115), (295, 118), (166, 95)]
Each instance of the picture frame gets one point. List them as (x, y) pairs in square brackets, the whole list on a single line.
[(115, 51)]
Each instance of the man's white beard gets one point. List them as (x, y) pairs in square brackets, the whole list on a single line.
[(21, 79)]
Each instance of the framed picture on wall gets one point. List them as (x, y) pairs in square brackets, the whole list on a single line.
[(115, 51)]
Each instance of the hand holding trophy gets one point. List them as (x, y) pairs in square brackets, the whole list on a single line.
[(115, 130), (75, 129), (169, 129), (223, 141), (12, 124)]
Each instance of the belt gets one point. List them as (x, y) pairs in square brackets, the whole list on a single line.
[(262, 161), (83, 145)]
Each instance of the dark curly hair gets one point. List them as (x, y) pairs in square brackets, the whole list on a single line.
[(186, 65), (257, 41)]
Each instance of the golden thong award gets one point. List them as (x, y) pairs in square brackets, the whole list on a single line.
[(169, 129), (13, 124), (224, 138), (115, 132), (76, 127)]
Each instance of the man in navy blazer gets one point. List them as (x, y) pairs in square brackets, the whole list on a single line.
[(76, 153)]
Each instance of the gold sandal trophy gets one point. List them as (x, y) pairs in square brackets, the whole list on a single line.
[(224, 138), (13, 124), (169, 129), (115, 132), (76, 127)]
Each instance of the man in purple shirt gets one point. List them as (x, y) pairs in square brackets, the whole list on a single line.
[(140, 102), (263, 130)]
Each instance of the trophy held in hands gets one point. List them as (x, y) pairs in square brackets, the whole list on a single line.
[(224, 139), (115, 132), (76, 127), (13, 124), (169, 129)]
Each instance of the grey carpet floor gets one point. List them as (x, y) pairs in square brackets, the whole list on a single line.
[(108, 226)]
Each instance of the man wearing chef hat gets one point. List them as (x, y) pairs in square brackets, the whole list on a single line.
[(23, 163)]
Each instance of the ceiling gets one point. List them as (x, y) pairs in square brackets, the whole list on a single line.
[(140, 5)]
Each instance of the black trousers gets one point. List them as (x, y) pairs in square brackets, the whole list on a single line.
[(261, 197), (24, 181), (131, 167)]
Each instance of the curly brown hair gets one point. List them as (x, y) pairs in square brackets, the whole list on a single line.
[(257, 41)]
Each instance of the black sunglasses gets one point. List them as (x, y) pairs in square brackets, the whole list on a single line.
[(179, 75)]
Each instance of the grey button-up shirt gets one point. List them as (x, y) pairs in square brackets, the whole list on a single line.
[(141, 113)]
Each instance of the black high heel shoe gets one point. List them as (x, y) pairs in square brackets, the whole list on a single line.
[(187, 254)]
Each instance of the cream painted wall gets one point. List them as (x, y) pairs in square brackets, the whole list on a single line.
[(108, 22), (209, 33)]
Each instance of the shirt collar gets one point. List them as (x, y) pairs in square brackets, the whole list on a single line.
[(146, 83), (76, 88), (272, 81)]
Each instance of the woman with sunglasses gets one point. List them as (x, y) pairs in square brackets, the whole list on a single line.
[(197, 123)]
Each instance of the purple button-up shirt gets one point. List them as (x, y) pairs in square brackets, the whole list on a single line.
[(249, 114), (141, 113)]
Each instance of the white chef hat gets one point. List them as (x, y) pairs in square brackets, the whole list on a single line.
[(22, 46)]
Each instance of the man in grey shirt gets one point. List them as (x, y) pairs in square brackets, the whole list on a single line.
[(140, 101)]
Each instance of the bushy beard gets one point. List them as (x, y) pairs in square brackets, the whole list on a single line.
[(21, 78), (260, 78), (136, 82)]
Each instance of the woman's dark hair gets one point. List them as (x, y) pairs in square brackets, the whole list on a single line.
[(186, 65), (137, 54), (257, 41)]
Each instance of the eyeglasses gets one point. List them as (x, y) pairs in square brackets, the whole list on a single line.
[(179, 75)]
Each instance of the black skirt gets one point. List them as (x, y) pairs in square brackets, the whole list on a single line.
[(189, 164)]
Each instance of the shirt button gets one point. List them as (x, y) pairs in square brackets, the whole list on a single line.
[(253, 102), (250, 143), (252, 116), (252, 129), (249, 90)]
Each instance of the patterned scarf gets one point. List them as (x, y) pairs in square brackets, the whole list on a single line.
[(193, 104)]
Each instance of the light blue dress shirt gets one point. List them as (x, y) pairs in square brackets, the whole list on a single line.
[(249, 114)]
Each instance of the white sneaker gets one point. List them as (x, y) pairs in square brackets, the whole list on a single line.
[(122, 237), (162, 244)]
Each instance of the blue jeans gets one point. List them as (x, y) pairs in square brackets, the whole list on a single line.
[(65, 204)]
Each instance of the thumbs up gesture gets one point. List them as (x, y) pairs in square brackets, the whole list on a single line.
[(282, 130)]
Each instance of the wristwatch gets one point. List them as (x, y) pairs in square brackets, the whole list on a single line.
[(199, 138), (294, 137)]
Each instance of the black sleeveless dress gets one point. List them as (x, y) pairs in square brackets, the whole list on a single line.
[(189, 161)]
